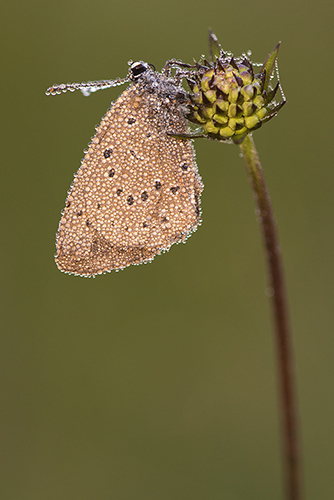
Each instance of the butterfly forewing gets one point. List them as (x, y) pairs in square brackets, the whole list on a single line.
[(137, 190)]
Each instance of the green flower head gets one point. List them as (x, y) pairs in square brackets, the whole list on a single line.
[(230, 97)]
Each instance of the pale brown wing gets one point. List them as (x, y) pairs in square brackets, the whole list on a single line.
[(137, 190)]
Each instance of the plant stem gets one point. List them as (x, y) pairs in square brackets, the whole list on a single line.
[(281, 322)]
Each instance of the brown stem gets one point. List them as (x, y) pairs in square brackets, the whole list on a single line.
[(281, 322)]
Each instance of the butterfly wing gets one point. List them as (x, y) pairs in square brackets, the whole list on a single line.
[(136, 192)]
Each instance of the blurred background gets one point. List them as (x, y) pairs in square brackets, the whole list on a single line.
[(159, 382)]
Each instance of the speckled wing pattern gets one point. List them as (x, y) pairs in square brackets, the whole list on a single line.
[(137, 190)]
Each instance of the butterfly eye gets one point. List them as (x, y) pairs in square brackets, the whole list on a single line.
[(137, 69)]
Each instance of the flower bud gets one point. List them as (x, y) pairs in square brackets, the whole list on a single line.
[(229, 99)]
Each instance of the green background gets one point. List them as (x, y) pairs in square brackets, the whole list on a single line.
[(159, 382)]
